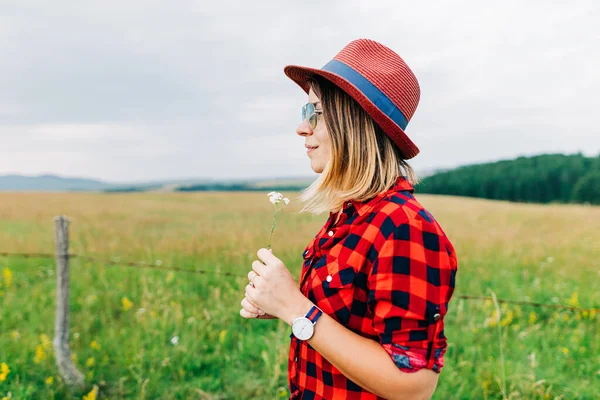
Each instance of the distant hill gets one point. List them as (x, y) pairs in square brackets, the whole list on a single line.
[(541, 179), (57, 183), (49, 183), (259, 185)]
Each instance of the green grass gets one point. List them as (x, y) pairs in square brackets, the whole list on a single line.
[(123, 319)]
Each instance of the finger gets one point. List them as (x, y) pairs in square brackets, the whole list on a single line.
[(251, 274), (249, 292), (256, 281), (267, 256), (258, 267), (251, 307), (246, 314)]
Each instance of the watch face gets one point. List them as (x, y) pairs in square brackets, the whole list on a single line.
[(302, 328)]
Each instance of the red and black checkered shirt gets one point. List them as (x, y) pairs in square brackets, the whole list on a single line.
[(386, 271)]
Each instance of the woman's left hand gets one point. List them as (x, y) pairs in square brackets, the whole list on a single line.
[(275, 291)]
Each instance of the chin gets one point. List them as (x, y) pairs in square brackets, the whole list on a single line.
[(317, 168)]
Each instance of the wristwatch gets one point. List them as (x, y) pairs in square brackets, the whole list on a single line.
[(304, 327)]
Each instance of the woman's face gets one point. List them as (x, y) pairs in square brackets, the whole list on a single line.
[(316, 141)]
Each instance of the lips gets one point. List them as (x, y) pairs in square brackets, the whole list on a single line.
[(310, 147)]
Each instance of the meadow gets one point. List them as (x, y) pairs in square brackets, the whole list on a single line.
[(140, 333)]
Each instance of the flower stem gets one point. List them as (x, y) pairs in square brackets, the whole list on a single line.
[(272, 227)]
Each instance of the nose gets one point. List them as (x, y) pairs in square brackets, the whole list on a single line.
[(304, 128)]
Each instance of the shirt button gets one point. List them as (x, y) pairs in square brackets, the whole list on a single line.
[(330, 233), (295, 359), (436, 317), (348, 204), (329, 278)]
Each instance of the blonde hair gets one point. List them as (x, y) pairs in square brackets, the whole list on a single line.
[(364, 161)]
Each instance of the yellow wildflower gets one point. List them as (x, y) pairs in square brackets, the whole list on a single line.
[(45, 341), (95, 345), (532, 318), (507, 319), (49, 380), (90, 362), (592, 313), (574, 300), (39, 354), (222, 336), (7, 277), (494, 318), (127, 304), (4, 371), (92, 395), (485, 385), (15, 334), (565, 350)]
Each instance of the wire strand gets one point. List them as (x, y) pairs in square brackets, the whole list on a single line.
[(144, 265)]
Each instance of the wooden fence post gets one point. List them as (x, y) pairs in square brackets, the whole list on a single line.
[(66, 368)]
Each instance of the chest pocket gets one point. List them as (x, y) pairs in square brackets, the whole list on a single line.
[(333, 289)]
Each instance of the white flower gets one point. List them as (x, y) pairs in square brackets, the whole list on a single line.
[(275, 197), (175, 340)]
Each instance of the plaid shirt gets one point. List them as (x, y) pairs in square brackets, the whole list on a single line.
[(386, 271)]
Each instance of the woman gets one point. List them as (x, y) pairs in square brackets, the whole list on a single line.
[(367, 318)]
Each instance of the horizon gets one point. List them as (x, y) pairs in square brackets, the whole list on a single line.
[(258, 178)]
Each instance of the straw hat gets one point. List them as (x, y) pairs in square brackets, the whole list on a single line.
[(378, 79)]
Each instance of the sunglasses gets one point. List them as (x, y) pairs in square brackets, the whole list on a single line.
[(311, 114)]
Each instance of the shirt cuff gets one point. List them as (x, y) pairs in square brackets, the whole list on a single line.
[(412, 359)]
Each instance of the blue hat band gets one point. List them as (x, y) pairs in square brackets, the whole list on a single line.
[(376, 96)]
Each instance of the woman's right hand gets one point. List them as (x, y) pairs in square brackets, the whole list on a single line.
[(251, 311)]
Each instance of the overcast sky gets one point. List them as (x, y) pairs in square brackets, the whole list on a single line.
[(143, 90)]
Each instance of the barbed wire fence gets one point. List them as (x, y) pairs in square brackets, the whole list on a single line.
[(146, 265), (66, 367)]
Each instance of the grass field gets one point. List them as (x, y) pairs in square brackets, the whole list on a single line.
[(125, 321)]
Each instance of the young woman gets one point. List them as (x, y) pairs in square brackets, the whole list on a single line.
[(368, 315)]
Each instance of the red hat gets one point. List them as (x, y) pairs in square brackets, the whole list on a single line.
[(378, 79)]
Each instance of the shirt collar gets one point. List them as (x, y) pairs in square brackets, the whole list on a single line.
[(363, 207)]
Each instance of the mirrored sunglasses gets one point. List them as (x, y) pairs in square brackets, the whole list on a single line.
[(310, 113)]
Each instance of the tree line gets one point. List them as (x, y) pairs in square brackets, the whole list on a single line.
[(542, 179)]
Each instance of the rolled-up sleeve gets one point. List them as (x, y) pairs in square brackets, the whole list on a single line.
[(410, 284)]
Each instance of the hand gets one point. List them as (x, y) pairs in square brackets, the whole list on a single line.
[(250, 310), (274, 292)]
